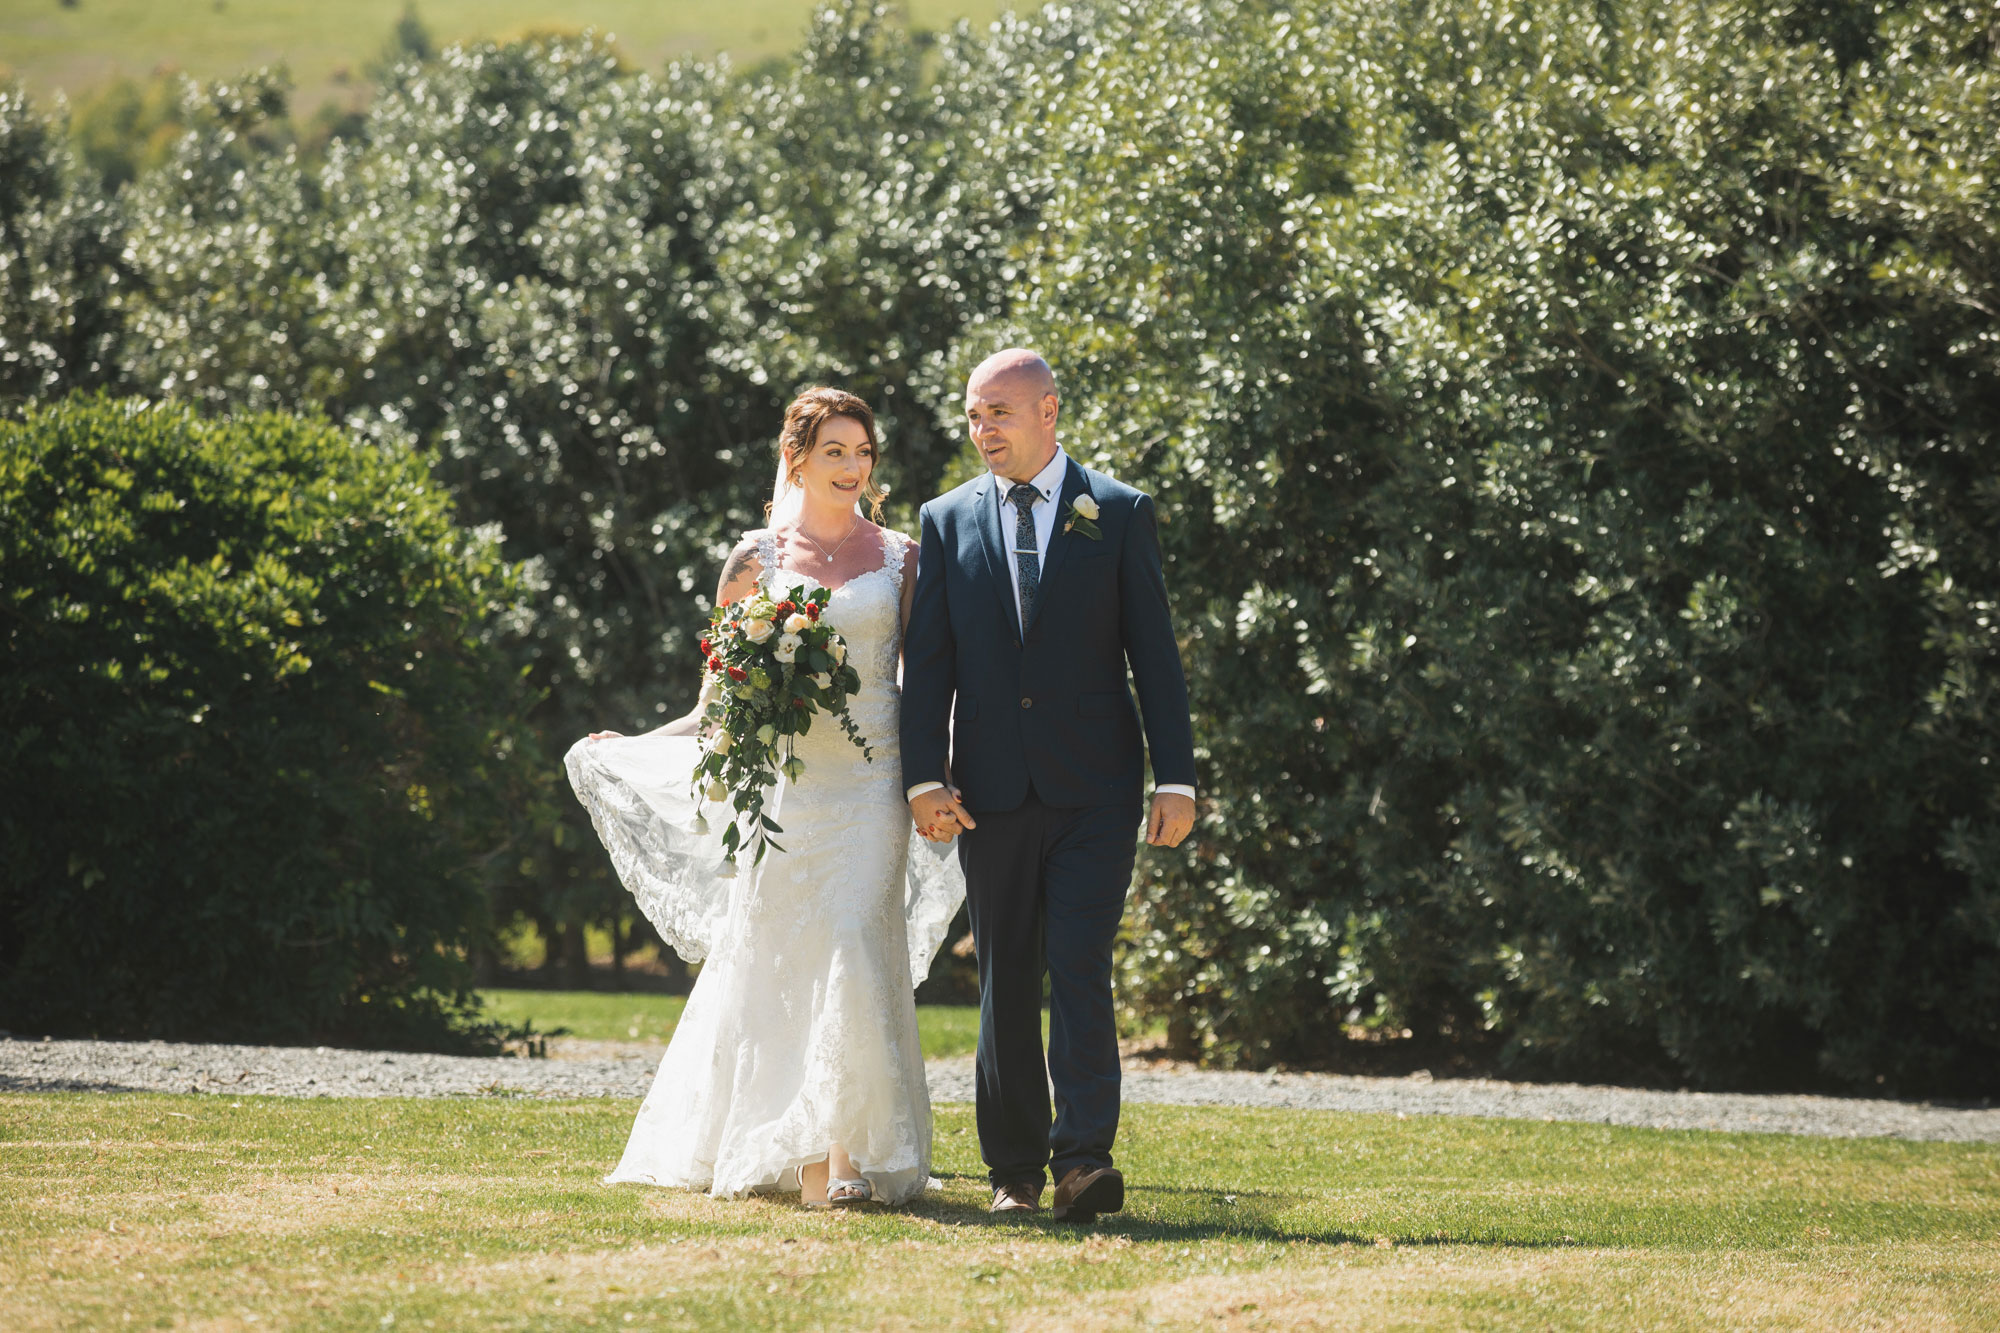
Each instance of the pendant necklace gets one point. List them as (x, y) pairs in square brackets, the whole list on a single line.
[(836, 549)]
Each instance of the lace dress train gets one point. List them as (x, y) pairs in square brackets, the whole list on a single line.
[(801, 1029)]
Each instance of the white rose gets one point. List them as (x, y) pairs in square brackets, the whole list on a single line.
[(716, 791), (796, 623), (1084, 506), (723, 740), (838, 647), (757, 630), (788, 647)]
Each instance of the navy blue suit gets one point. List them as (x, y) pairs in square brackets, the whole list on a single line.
[(1035, 725)]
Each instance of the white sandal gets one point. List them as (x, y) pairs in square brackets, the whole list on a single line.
[(848, 1193)]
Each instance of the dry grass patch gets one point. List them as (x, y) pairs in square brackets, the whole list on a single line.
[(191, 1212), (1457, 1287)]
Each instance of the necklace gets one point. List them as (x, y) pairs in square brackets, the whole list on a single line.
[(851, 528)]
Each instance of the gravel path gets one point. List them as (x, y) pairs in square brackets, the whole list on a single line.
[(303, 1071)]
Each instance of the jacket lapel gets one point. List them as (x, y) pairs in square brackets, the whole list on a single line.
[(1074, 484), (999, 564)]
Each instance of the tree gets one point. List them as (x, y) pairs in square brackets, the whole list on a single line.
[(1526, 420), (59, 263)]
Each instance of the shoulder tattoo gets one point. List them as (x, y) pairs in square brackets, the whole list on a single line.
[(740, 561)]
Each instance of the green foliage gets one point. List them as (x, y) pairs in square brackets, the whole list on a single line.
[(257, 741), (124, 127), (59, 263), (409, 40), (1575, 437), (1572, 432)]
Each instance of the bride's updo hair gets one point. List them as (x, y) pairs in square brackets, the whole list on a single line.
[(813, 409)]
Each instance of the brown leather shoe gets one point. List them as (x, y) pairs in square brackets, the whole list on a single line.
[(1016, 1199), (1087, 1191)]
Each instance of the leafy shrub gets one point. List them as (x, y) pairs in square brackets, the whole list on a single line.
[(1576, 439), (257, 743), (59, 263), (1573, 431)]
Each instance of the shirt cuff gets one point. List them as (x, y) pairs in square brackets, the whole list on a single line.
[(918, 790), (1174, 787)]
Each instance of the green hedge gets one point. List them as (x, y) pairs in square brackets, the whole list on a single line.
[(1577, 433), (256, 744), (1574, 430)]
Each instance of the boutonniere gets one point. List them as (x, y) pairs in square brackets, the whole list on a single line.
[(1082, 513)]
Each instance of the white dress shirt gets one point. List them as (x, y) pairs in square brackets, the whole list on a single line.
[(1048, 483)]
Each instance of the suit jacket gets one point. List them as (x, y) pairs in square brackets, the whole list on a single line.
[(1047, 709)]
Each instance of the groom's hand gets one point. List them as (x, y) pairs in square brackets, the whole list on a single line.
[(1171, 821), (939, 816)]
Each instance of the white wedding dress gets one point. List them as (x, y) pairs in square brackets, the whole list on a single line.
[(801, 1031)]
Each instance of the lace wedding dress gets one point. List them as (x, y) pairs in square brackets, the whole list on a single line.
[(801, 1031)]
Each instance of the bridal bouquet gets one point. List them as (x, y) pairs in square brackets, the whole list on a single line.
[(775, 664)]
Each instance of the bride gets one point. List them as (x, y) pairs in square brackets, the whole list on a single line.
[(795, 1065)]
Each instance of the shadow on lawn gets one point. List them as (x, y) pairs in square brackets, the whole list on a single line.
[(1249, 1215)]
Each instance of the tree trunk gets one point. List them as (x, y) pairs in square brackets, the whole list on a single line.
[(552, 946), (576, 955)]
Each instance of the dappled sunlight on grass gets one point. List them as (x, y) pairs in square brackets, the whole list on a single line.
[(478, 1214)]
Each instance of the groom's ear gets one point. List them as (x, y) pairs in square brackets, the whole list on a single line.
[(1051, 408)]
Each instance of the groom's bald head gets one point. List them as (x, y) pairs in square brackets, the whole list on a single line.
[(1011, 407), (1017, 365)]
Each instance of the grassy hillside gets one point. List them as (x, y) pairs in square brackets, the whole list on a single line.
[(50, 46)]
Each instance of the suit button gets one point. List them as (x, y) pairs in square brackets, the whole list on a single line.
[(1027, 703)]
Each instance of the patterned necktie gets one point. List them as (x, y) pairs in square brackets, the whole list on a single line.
[(1027, 559)]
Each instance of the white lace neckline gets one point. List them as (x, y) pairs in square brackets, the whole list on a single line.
[(769, 557)]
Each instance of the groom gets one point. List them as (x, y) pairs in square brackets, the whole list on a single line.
[(1037, 586)]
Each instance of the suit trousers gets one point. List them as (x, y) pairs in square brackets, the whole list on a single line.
[(1045, 888)]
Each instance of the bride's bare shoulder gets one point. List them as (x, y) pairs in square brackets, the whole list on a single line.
[(745, 563)]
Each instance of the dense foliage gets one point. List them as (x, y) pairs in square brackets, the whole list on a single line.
[(1573, 427), (1578, 433), (257, 744)]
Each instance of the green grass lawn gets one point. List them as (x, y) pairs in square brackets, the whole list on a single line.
[(52, 47), (944, 1029), (146, 1210)]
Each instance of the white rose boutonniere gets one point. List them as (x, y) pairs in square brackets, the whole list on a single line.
[(1083, 517)]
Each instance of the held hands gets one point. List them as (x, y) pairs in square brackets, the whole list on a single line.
[(939, 815), (1171, 821)]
